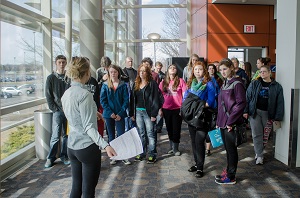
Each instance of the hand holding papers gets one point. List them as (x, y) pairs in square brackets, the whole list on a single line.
[(276, 125), (127, 145)]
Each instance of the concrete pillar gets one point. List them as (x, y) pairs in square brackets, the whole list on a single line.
[(188, 27), (68, 30), (46, 9), (92, 32), (287, 146)]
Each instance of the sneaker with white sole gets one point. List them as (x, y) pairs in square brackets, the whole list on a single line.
[(151, 160), (126, 162), (48, 163), (226, 180), (260, 161), (113, 162), (223, 174)]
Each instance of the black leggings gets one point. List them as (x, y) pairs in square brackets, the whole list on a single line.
[(173, 122), (85, 166), (198, 138), (231, 152)]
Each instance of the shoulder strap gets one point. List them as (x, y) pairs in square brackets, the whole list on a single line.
[(222, 101)]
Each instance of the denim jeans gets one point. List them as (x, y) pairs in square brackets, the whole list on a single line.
[(112, 125), (59, 128), (159, 123), (129, 123), (147, 134)]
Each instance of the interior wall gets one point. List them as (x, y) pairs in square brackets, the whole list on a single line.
[(226, 28), (253, 55), (199, 28)]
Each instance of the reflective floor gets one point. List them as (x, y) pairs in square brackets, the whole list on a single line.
[(168, 177)]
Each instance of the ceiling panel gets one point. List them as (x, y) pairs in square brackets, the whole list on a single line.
[(256, 2)]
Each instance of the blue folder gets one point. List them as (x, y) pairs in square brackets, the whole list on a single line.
[(215, 138)]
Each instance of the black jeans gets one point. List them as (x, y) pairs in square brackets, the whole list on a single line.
[(231, 152), (85, 166), (198, 137), (173, 122)]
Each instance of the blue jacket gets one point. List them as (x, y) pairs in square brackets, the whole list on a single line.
[(208, 95), (275, 101), (114, 101)]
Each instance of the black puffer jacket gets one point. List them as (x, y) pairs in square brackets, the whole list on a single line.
[(275, 102), (151, 100)]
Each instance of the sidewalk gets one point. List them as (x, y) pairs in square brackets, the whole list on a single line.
[(168, 177)]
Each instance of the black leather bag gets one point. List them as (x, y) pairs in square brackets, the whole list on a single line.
[(240, 133)]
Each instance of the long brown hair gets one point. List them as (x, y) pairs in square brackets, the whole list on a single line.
[(109, 82), (138, 79), (167, 79), (206, 77), (228, 63)]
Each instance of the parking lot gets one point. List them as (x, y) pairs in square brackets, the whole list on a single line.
[(23, 94)]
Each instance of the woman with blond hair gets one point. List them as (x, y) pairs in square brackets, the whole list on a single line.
[(84, 142), (188, 70), (144, 106), (114, 99), (200, 84)]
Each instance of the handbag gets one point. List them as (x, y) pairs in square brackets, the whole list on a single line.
[(240, 134), (238, 130), (215, 138)]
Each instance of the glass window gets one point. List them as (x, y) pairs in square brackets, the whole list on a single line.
[(21, 64), (33, 5)]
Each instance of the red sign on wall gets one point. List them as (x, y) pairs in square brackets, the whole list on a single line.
[(249, 28)]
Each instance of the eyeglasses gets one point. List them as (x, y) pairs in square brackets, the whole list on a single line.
[(263, 72), (142, 71)]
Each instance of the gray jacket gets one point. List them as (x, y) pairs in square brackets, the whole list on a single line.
[(81, 111)]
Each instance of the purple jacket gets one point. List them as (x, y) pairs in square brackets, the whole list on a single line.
[(234, 96)]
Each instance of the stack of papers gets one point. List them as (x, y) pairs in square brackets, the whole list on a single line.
[(127, 145)]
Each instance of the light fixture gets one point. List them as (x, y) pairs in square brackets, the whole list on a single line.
[(154, 36), (244, 1)]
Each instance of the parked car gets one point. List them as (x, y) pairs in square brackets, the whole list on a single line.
[(12, 90), (27, 88), (5, 95)]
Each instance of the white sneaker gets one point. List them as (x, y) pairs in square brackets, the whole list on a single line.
[(126, 162), (260, 161), (113, 162), (255, 157)]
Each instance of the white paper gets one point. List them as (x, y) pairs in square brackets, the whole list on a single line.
[(127, 145), (276, 125)]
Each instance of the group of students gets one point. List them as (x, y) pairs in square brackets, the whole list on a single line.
[(260, 100), (133, 98)]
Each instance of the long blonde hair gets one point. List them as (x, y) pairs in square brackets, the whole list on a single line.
[(109, 82)]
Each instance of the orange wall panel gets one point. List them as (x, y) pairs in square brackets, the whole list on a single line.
[(225, 26), (232, 18)]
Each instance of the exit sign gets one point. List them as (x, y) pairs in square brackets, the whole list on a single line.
[(249, 28)]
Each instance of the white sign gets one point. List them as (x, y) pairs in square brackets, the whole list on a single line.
[(249, 28)]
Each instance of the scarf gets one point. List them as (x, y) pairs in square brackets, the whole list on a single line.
[(197, 86)]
